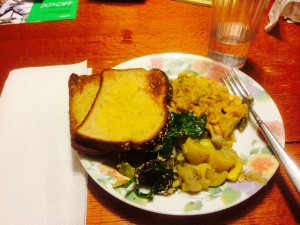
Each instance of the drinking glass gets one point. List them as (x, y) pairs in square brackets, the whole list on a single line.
[(234, 25)]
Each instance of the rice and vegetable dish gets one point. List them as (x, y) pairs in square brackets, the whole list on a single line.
[(202, 96), (197, 153)]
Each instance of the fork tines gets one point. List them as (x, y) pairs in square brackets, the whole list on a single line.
[(234, 84)]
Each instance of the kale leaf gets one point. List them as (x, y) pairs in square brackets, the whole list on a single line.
[(181, 126), (155, 173), (186, 125)]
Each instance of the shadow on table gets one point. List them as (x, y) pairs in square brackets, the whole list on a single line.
[(254, 71), (290, 196), (137, 216)]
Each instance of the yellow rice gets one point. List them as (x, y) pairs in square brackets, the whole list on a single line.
[(202, 96)]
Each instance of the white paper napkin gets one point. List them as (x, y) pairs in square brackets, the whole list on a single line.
[(41, 179), (283, 8)]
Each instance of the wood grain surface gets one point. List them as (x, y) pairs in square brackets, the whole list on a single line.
[(108, 33)]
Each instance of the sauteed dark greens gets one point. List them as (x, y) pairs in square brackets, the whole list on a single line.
[(156, 169)]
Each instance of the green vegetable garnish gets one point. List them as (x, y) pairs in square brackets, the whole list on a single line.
[(155, 175), (181, 126), (186, 125), (153, 169)]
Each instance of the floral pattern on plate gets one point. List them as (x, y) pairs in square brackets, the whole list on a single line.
[(250, 146)]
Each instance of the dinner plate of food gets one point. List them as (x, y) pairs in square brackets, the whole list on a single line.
[(175, 142)]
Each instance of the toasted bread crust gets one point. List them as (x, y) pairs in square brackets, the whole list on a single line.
[(78, 85), (156, 82), (101, 147), (160, 90)]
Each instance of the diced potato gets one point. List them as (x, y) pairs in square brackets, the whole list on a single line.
[(207, 143), (196, 151), (219, 142), (191, 187), (222, 160), (205, 183), (190, 176), (203, 167), (219, 178)]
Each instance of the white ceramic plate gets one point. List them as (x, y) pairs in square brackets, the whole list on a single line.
[(250, 146)]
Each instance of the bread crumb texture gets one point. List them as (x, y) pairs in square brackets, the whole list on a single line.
[(128, 107)]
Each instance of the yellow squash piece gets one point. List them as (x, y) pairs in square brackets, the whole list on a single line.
[(235, 171), (216, 178), (219, 179), (203, 167), (196, 151), (222, 160)]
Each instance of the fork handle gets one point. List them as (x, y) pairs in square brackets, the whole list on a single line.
[(290, 167)]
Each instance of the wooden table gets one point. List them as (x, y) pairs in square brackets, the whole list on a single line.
[(107, 34)]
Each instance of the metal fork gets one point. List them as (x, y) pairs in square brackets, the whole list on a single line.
[(236, 87)]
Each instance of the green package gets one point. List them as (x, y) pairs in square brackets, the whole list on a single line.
[(48, 10)]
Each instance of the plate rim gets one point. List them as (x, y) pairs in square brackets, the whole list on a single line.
[(122, 65)]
